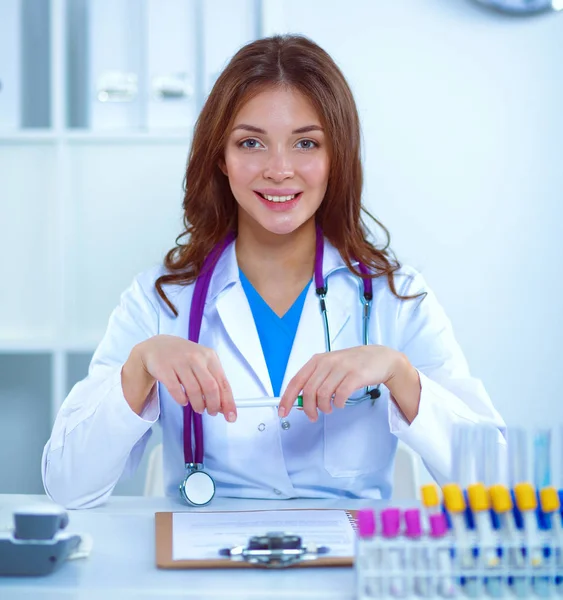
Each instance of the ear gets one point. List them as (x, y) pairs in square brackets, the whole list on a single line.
[(223, 167)]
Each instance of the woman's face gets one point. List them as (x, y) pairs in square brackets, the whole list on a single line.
[(277, 162)]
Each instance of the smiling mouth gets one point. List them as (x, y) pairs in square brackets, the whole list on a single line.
[(279, 199)]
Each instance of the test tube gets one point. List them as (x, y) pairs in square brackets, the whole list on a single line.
[(480, 504), (527, 502), (542, 458), (430, 498), (442, 563), (517, 456), (550, 504), (490, 456), (454, 501), (512, 557), (502, 505), (417, 559), (367, 556), (463, 457), (394, 559)]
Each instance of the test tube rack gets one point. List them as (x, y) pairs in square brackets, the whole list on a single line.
[(433, 564)]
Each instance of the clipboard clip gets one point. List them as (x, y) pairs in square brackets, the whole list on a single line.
[(274, 550)]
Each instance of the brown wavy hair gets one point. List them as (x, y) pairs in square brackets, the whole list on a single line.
[(210, 209)]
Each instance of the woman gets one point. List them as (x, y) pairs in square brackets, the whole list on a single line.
[(273, 195)]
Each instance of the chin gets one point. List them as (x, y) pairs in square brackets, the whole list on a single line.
[(283, 228)]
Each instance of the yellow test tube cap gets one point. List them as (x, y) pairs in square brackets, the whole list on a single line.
[(478, 497), (549, 499), (429, 495), (500, 498), (453, 498), (525, 496)]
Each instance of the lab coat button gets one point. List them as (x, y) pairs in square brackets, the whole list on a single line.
[(261, 427), (277, 492), (286, 425)]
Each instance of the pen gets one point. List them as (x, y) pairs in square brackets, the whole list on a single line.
[(275, 401)]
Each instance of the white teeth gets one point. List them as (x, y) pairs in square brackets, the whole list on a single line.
[(279, 198)]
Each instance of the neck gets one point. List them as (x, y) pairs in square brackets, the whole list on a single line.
[(271, 259)]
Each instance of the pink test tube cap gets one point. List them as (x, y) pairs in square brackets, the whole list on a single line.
[(390, 522), (438, 525), (366, 522), (413, 527)]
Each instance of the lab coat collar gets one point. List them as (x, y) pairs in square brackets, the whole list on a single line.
[(227, 272)]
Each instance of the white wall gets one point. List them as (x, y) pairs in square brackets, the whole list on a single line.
[(463, 128)]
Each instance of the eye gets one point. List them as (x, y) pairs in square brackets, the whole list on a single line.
[(250, 144), (306, 144)]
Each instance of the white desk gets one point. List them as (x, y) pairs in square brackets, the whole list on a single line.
[(122, 564)]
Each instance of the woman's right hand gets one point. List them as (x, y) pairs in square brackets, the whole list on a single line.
[(190, 372)]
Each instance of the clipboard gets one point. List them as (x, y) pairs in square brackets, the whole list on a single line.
[(164, 551)]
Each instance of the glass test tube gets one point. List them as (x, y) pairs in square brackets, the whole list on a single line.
[(542, 457), (517, 456), (463, 459), (368, 556), (490, 456)]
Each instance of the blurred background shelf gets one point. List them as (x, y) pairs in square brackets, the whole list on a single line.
[(88, 88), (29, 136)]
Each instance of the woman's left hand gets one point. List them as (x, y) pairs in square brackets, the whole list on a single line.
[(330, 378)]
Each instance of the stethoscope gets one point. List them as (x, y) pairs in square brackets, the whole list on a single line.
[(198, 487)]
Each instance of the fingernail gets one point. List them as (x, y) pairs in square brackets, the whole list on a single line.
[(281, 412), (231, 417)]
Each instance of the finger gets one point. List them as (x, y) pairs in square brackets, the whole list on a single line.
[(326, 390), (311, 388), (193, 389), (310, 404), (209, 388), (294, 387), (227, 402), (174, 387), (343, 391)]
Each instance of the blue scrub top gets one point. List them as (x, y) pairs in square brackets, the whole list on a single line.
[(276, 333)]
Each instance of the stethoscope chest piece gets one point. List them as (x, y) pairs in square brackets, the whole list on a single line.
[(198, 487)]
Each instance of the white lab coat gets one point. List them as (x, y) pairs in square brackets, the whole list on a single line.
[(97, 437)]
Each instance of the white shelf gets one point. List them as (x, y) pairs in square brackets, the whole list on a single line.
[(128, 137), (26, 347), (31, 136), (47, 346), (96, 137)]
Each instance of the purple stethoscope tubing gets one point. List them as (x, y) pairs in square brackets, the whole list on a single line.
[(194, 327), (191, 418)]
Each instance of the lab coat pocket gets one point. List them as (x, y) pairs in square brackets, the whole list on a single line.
[(357, 439)]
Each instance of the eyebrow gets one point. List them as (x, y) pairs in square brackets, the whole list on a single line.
[(254, 129)]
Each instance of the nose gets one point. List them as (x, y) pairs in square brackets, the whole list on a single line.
[(278, 166)]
